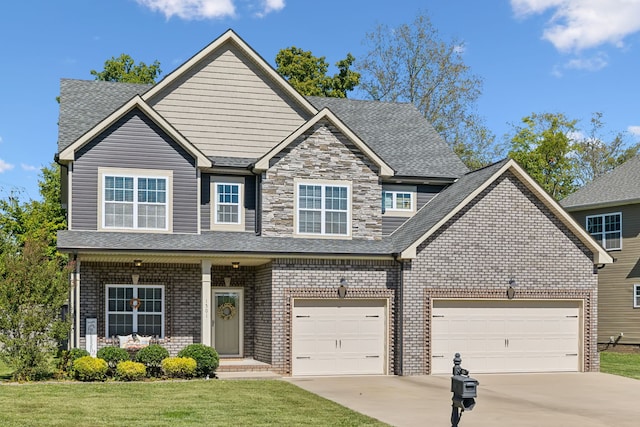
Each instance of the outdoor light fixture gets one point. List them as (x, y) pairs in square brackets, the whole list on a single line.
[(235, 265), (137, 262), (342, 290)]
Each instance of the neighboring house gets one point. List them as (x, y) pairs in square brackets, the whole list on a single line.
[(609, 209), (315, 235)]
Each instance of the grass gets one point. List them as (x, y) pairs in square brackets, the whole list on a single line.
[(172, 403), (624, 364)]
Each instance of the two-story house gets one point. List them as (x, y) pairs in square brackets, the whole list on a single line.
[(609, 209), (315, 235)]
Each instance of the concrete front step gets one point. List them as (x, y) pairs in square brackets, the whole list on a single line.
[(242, 365)]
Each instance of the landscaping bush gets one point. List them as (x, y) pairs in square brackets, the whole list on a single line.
[(130, 371), (89, 368), (179, 367), (206, 358), (113, 355), (152, 357), (66, 359)]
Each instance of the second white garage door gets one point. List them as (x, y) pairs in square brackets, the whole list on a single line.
[(506, 336), (338, 337)]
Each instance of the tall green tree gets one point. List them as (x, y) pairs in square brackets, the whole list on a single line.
[(595, 154), (543, 146), (308, 73), (33, 289), (124, 69), (411, 63)]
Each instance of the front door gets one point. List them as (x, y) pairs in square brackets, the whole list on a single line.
[(227, 321)]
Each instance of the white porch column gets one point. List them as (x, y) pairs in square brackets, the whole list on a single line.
[(206, 302), (77, 306)]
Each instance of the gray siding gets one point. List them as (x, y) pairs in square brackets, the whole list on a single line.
[(424, 194), (134, 142)]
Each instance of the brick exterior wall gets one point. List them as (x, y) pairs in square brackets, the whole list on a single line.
[(263, 315), (182, 285), (320, 279), (504, 233), (322, 155)]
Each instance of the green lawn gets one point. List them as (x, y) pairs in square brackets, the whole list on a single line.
[(186, 403), (624, 364)]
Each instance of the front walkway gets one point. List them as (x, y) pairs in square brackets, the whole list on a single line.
[(572, 399)]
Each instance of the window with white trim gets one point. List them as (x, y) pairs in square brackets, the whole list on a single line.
[(134, 201), (227, 203), (606, 229), (636, 296), (323, 209), (138, 309), (397, 200)]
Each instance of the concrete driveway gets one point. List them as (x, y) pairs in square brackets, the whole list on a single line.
[(548, 400)]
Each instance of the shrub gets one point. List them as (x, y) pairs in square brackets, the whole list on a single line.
[(206, 358), (113, 355), (130, 371), (179, 367), (152, 357), (67, 357), (89, 368)]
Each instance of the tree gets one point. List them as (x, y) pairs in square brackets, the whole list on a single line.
[(33, 289), (411, 63), (124, 69), (542, 145), (308, 73), (595, 156)]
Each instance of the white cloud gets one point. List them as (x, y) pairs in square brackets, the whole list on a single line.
[(593, 63), (582, 24), (271, 6), (27, 167), (4, 166), (191, 9), (634, 130)]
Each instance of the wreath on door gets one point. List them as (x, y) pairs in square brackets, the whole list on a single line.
[(227, 310)]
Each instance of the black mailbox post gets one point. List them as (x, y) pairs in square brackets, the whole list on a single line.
[(464, 389)]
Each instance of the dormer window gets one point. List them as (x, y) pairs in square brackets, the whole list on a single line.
[(323, 208)]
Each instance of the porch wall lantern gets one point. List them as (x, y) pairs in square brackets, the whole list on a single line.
[(235, 265), (342, 289), (137, 263)]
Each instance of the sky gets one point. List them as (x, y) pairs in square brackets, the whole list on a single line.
[(575, 57)]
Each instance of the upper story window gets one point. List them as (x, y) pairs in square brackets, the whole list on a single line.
[(227, 209), (138, 309), (135, 201), (397, 200), (606, 229), (323, 209), (636, 296)]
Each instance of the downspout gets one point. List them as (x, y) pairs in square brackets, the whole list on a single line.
[(258, 220), (77, 303), (400, 316), (72, 305)]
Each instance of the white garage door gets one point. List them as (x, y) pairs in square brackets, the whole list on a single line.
[(338, 337), (506, 336)]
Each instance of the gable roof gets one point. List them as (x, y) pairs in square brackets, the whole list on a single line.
[(68, 154), (618, 187), (399, 134), (454, 198), (326, 114)]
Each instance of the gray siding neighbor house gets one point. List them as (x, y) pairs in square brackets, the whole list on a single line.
[(609, 209), (316, 236)]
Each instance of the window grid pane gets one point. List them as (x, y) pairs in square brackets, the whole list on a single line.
[(323, 209), (606, 229), (147, 319), (147, 210), (228, 204)]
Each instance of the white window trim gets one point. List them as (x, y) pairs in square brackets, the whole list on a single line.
[(135, 311), (226, 226), (394, 211), (135, 174), (604, 242), (636, 296), (323, 184)]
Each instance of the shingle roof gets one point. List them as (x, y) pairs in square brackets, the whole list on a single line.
[(440, 206), (619, 186), (84, 103), (399, 134), (216, 242)]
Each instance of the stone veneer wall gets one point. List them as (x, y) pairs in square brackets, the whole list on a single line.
[(298, 278), (504, 233), (182, 284), (322, 155), (243, 277)]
